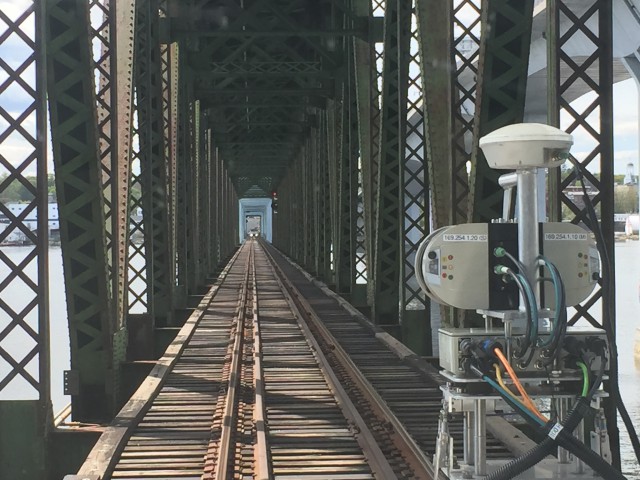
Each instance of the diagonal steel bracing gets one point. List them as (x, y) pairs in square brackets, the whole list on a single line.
[(386, 272), (153, 166), (504, 60), (114, 32), (24, 295), (590, 22), (74, 132)]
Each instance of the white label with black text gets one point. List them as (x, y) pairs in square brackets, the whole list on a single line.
[(565, 236), (465, 237)]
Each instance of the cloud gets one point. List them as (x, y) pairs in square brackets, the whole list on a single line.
[(625, 126), (14, 10)]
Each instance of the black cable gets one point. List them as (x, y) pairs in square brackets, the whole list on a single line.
[(562, 306), (530, 418), (563, 438), (558, 339), (560, 330), (591, 458), (607, 325), (602, 353), (525, 363), (525, 343)]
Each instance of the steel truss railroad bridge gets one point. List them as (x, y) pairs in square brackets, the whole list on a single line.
[(360, 119)]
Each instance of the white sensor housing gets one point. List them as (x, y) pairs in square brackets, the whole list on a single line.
[(526, 145)]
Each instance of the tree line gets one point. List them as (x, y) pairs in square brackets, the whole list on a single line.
[(16, 191), (625, 196)]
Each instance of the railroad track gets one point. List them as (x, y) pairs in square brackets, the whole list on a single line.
[(258, 393), (411, 394)]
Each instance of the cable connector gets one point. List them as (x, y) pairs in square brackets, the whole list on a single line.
[(499, 252), (488, 345), (500, 270)]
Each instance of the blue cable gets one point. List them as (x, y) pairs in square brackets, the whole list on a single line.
[(506, 396), (534, 309), (560, 300)]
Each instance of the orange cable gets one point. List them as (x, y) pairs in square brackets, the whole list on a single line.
[(525, 397)]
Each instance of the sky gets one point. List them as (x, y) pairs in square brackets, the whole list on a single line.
[(625, 126), (626, 108), (15, 99)]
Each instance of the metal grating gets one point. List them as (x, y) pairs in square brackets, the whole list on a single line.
[(24, 317), (415, 208), (591, 121), (137, 268), (466, 52)]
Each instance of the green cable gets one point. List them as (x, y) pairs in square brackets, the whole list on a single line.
[(555, 276), (528, 291), (585, 373)]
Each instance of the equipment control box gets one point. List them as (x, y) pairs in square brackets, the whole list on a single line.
[(455, 265), (456, 343)]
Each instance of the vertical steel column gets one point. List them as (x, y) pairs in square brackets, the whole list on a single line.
[(334, 122), (324, 205), (465, 47), (298, 209), (182, 178), (344, 252), (136, 266), (115, 36), (209, 179), (192, 161), (434, 23), (304, 227), (397, 35), (447, 123), (504, 59), (285, 218), (169, 58), (368, 109), (72, 105), (415, 309), (317, 196), (379, 8), (312, 185), (153, 166), (213, 199), (25, 408), (193, 211), (356, 215), (224, 213), (307, 202), (216, 206), (591, 23)]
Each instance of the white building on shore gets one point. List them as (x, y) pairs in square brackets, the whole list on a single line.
[(30, 221)]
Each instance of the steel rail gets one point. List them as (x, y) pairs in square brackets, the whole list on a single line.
[(104, 456), (422, 466), (375, 457), (262, 468), (226, 444)]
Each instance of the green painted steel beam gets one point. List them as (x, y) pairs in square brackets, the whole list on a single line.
[(386, 273), (434, 26), (366, 90), (81, 209), (251, 93), (267, 34), (23, 439), (153, 163), (597, 118), (115, 33), (504, 60)]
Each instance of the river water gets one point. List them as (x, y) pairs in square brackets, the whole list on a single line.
[(627, 257)]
